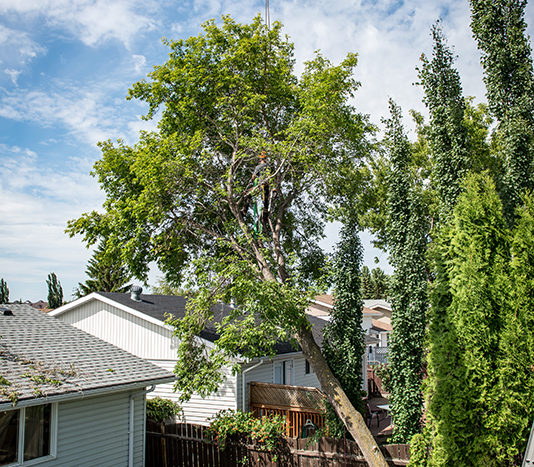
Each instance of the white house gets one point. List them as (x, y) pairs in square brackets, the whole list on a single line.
[(68, 398), (376, 324), (136, 323)]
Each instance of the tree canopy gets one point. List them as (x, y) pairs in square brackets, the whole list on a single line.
[(55, 291), (234, 189)]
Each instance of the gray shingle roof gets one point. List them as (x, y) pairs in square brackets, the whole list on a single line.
[(41, 356), (157, 306)]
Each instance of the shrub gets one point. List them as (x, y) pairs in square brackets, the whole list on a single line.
[(237, 424), (159, 409)]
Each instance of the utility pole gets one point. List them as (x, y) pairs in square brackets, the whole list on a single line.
[(267, 15)]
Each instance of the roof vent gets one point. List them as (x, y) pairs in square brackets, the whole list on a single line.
[(6, 311), (135, 293)]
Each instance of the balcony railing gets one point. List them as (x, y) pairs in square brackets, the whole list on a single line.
[(298, 405), (378, 355)]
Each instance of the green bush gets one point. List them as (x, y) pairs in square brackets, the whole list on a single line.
[(159, 409), (383, 372), (231, 424)]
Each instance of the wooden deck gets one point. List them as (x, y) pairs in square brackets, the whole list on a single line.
[(299, 406)]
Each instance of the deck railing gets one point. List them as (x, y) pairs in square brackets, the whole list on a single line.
[(298, 405), (378, 355)]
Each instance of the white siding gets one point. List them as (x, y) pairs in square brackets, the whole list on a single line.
[(198, 410), (154, 343), (94, 431), (133, 334), (265, 374)]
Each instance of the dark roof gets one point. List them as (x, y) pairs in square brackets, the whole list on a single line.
[(158, 306), (41, 356)]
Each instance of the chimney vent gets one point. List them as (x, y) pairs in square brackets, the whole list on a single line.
[(135, 293), (6, 311)]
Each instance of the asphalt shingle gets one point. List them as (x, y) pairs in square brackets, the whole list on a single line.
[(42, 356)]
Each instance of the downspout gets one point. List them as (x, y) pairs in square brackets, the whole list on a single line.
[(243, 381), (131, 432), (146, 391), (131, 421)]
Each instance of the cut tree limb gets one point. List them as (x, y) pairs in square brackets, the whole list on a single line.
[(351, 418)]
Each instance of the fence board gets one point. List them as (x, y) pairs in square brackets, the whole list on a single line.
[(187, 445)]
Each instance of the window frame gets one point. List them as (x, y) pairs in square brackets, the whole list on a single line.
[(21, 436), (283, 365), (308, 369)]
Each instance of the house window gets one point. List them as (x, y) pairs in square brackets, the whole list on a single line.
[(27, 434), (283, 372), (308, 369)]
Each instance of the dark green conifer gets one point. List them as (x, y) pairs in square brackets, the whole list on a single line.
[(4, 291), (407, 244), (55, 291), (106, 273), (500, 30), (366, 283), (448, 136), (343, 344)]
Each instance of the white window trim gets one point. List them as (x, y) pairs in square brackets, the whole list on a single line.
[(53, 438), (281, 362)]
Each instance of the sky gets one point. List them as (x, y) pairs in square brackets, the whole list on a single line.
[(66, 67)]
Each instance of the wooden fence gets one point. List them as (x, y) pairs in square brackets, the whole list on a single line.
[(186, 445)]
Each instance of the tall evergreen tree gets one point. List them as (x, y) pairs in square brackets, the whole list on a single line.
[(106, 273), (55, 291), (366, 283), (500, 30), (4, 291), (407, 242), (343, 344), (448, 135), (516, 412), (467, 320), (380, 283)]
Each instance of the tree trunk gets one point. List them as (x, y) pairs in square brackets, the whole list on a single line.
[(352, 419)]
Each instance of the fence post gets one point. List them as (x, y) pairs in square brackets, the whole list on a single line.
[(163, 444)]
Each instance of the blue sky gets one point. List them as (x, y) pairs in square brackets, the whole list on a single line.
[(66, 66)]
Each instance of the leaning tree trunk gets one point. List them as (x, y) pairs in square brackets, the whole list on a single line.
[(352, 419)]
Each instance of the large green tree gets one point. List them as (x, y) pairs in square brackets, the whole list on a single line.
[(343, 344), (105, 271), (466, 329), (516, 404), (407, 230), (236, 184), (500, 30), (448, 135), (55, 291), (4, 291)]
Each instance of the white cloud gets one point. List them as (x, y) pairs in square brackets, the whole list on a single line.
[(13, 74), (92, 21), (139, 62), (389, 37), (17, 48), (89, 114), (37, 201)]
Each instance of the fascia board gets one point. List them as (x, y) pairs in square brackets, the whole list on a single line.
[(84, 393)]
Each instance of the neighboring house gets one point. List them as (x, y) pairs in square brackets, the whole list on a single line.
[(137, 324), (40, 305), (376, 323), (381, 329), (68, 398)]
